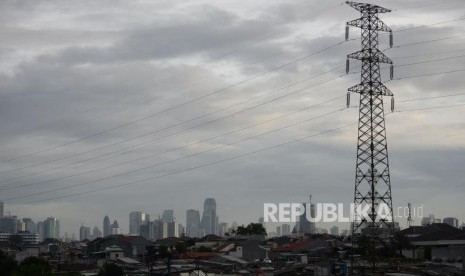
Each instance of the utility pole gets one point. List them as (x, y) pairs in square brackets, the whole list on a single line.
[(372, 178)]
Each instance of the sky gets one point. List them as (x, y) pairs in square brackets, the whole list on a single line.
[(108, 107)]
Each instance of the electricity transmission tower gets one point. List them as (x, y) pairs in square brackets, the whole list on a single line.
[(372, 179)]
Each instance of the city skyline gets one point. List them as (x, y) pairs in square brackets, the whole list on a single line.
[(157, 106), (50, 227)]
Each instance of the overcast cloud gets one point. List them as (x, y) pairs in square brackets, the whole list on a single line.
[(92, 90)]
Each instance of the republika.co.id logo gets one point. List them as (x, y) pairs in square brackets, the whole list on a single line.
[(332, 212)]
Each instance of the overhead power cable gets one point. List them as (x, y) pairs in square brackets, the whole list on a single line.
[(177, 159), (177, 124), (210, 163), (130, 148), (178, 105), (182, 104)]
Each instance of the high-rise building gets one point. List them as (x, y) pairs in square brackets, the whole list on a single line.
[(161, 229), (21, 226), (96, 233), (192, 223), (305, 225), (31, 227), (286, 229), (51, 228), (84, 233), (334, 231), (173, 229), (451, 221), (181, 230), (209, 218), (115, 230), (40, 230), (136, 219), (425, 221), (168, 216), (106, 226), (278, 231), (1, 209), (222, 229), (9, 224), (148, 230)]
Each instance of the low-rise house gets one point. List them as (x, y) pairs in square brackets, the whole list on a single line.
[(438, 242)]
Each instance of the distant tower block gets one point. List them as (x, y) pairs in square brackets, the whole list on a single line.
[(372, 178)]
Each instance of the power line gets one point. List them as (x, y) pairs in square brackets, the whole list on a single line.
[(237, 49), (180, 158), (430, 25), (177, 124), (214, 120), (178, 105), (199, 166), (196, 99), (216, 148), (428, 41), (167, 151), (430, 74), (430, 108), (181, 123), (47, 170), (221, 90), (427, 61), (432, 97), (214, 92), (215, 162)]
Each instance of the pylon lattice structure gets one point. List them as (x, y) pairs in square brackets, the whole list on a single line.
[(372, 177)]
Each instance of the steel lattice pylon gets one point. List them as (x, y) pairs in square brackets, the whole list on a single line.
[(372, 179)]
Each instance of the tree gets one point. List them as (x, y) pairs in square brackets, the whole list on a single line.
[(110, 269), (34, 266), (16, 242), (401, 242), (7, 264), (251, 229), (180, 246)]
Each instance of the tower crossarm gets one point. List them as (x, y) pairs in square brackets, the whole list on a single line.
[(373, 88), (373, 55), (367, 8), (373, 23)]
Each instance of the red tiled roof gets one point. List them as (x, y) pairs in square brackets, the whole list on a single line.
[(291, 247), (198, 255)]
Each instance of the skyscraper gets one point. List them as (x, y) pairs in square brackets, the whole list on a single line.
[(31, 227), (51, 228), (136, 219), (306, 226), (40, 230), (96, 233), (84, 233), (106, 226), (161, 229), (1, 209), (278, 231), (286, 229), (115, 228), (192, 223), (173, 229), (168, 216), (9, 224), (451, 221), (334, 231), (209, 218)]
